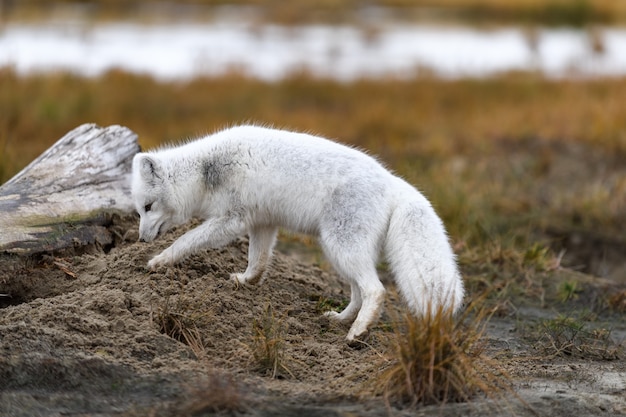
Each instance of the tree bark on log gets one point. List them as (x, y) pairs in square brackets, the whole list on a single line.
[(65, 197)]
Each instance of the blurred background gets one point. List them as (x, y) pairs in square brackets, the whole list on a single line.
[(509, 115)]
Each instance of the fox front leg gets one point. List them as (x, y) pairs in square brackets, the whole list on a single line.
[(262, 240), (213, 233)]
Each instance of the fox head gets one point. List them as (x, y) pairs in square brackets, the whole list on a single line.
[(154, 197)]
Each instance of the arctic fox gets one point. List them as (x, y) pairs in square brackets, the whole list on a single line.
[(252, 180)]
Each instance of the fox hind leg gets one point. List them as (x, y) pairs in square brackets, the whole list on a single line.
[(357, 266), (373, 294), (262, 240), (352, 309)]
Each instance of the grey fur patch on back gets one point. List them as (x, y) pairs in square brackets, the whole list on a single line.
[(212, 173), (220, 166)]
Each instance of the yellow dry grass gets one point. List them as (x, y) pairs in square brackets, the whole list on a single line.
[(439, 359), (508, 162), (546, 12)]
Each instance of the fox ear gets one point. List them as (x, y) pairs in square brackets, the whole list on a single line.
[(149, 167)]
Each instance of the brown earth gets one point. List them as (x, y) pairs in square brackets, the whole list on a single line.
[(96, 334)]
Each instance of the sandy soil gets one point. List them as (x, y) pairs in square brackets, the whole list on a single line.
[(95, 334)]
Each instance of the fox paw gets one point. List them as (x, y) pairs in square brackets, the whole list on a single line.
[(238, 279), (161, 259), (358, 342), (344, 317), (333, 315), (243, 279), (357, 335)]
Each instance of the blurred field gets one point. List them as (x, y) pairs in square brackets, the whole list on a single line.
[(528, 174), (544, 12)]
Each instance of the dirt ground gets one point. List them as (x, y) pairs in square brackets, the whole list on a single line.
[(96, 334)]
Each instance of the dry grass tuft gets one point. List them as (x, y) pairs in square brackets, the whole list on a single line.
[(219, 394), (440, 359), (173, 322), (570, 336), (268, 344), (617, 301)]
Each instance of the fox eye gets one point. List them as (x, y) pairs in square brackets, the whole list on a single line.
[(148, 207)]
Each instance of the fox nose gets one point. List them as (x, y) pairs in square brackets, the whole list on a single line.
[(142, 240)]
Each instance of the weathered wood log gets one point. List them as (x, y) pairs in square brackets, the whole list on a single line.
[(64, 197)]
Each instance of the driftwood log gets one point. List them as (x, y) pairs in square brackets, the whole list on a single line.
[(66, 196)]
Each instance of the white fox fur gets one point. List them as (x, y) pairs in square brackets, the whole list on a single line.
[(252, 180)]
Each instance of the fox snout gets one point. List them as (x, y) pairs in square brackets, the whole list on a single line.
[(143, 239), (147, 233), (147, 238)]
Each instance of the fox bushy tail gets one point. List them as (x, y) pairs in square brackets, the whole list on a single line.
[(421, 258)]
